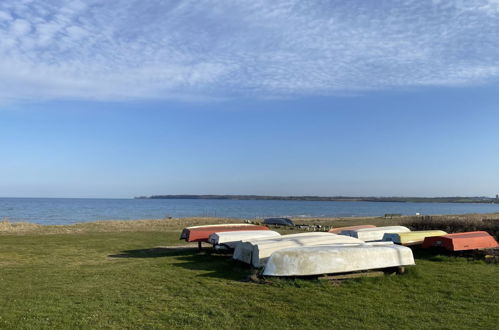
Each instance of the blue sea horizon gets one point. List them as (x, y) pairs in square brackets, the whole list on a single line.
[(59, 211)]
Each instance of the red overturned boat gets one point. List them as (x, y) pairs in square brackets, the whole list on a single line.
[(202, 233), (472, 240)]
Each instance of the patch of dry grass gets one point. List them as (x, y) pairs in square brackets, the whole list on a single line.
[(457, 223), (153, 225), (18, 227), (349, 221), (167, 225), (450, 223)]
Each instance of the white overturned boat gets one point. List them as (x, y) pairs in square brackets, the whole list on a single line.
[(262, 250), (374, 234), (244, 249), (230, 239), (339, 258), (185, 231)]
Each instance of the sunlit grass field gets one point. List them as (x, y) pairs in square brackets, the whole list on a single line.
[(137, 274)]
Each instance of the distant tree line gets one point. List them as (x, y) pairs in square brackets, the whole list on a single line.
[(480, 199)]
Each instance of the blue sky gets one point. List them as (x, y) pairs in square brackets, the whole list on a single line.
[(126, 98)]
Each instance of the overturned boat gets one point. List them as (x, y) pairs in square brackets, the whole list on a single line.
[(472, 240), (374, 234), (229, 239), (185, 232), (340, 229), (202, 233), (412, 237), (278, 222), (244, 249), (337, 258), (262, 250)]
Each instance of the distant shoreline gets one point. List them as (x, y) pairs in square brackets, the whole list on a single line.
[(479, 199)]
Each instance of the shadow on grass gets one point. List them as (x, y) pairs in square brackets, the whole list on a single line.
[(439, 255), (213, 265), (206, 264), (156, 252), (442, 255), (430, 254)]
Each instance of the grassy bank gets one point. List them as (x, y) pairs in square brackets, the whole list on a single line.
[(455, 224), (137, 274)]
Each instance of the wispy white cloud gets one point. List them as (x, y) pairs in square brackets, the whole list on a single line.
[(174, 49)]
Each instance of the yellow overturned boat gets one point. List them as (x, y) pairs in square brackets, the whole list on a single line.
[(412, 237)]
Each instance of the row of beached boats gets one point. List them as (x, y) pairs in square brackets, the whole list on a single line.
[(341, 250)]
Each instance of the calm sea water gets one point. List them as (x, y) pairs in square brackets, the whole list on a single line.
[(66, 211)]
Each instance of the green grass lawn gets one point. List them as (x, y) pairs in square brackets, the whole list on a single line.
[(123, 279)]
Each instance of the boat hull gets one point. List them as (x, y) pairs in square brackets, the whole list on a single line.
[(185, 232), (462, 241), (340, 229), (244, 249), (202, 234), (374, 234), (333, 259), (231, 238), (412, 237), (262, 251)]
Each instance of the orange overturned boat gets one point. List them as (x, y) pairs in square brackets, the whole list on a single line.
[(340, 229), (472, 240), (202, 233)]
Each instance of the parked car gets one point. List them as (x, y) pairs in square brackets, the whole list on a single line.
[(278, 222)]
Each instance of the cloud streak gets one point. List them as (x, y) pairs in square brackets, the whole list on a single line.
[(126, 49)]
